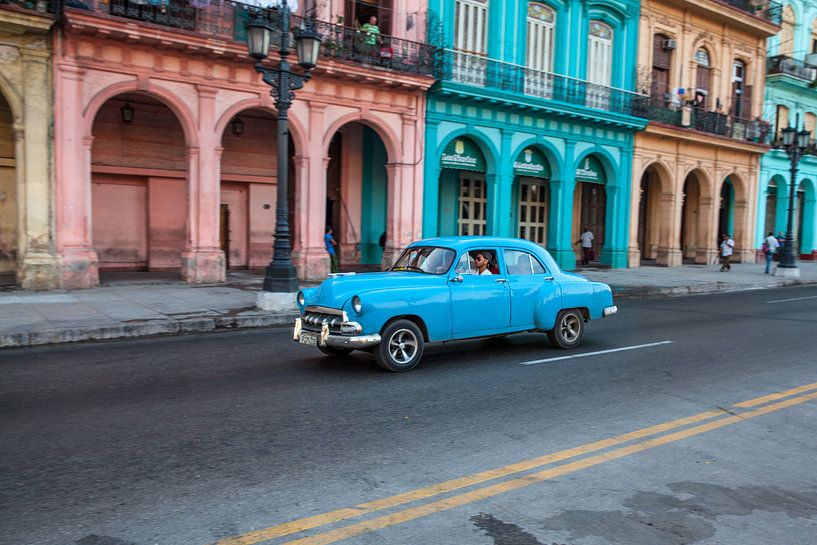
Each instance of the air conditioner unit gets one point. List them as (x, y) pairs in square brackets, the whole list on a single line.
[(669, 44), (811, 59)]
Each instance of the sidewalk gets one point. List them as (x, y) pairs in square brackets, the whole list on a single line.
[(136, 305)]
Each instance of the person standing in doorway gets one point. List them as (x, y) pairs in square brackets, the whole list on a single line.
[(330, 242), (727, 247), (770, 247), (586, 240)]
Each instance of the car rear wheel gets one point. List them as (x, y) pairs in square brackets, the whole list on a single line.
[(336, 352), (401, 346), (568, 330)]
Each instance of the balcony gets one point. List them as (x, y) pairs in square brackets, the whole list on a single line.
[(714, 123), (480, 71), (782, 64), (768, 10), (41, 6), (226, 20)]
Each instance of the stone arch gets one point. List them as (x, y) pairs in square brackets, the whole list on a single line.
[(388, 137), (655, 213), (551, 153), (483, 142), (13, 99), (665, 176), (703, 179), (608, 162), (296, 129), (182, 112), (712, 49)]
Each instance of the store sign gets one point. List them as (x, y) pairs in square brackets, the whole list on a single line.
[(531, 162), (462, 154), (591, 170)]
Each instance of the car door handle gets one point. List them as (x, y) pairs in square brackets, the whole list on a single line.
[(548, 279), (456, 279), (501, 281)]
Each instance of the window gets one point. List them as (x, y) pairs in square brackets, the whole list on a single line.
[(661, 60), (471, 261), (810, 124), (599, 64), (741, 93), (814, 36), (470, 41), (786, 46), (471, 220), (782, 120), (521, 263), (702, 78), (533, 211), (427, 259), (541, 31)]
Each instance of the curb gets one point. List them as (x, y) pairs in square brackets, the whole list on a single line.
[(639, 292), (147, 329)]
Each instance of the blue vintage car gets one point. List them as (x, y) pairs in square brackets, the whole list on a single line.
[(444, 289)]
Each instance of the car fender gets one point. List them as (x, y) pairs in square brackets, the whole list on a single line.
[(549, 305)]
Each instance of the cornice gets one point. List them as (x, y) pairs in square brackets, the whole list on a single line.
[(17, 21), (700, 137)]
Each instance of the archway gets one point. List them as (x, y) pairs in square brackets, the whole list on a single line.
[(8, 195), (772, 201), (139, 185), (531, 192), (463, 193), (692, 231), (357, 184), (808, 220), (249, 171), (590, 201), (726, 209), (649, 212)]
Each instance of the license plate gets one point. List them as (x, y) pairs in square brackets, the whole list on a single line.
[(308, 338)]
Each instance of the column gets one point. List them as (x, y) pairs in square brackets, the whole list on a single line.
[(431, 181), (669, 251), (38, 265), (504, 187), (706, 243), (312, 204), (203, 261), (560, 216), (78, 261)]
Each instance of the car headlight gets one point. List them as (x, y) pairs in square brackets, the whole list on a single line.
[(357, 305), (301, 299)]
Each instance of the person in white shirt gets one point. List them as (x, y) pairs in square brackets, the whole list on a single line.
[(727, 246), (770, 247), (481, 261), (586, 240)]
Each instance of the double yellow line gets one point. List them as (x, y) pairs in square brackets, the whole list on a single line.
[(706, 421)]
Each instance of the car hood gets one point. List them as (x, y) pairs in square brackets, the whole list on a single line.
[(334, 292)]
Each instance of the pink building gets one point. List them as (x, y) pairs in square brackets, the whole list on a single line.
[(165, 145)]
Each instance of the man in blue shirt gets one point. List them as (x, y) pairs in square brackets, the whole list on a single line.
[(329, 240)]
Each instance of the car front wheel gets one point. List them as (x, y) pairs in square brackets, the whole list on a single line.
[(569, 329), (401, 346)]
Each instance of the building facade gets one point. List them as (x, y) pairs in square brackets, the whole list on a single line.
[(27, 243), (166, 148), (530, 126), (791, 98), (696, 165)]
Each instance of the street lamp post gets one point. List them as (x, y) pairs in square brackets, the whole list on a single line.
[(795, 144), (281, 278)]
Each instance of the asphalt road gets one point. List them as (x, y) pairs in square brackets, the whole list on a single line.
[(223, 438)]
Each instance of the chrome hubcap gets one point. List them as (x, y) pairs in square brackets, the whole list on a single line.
[(570, 328), (403, 346)]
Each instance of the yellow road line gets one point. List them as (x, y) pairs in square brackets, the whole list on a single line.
[(406, 515), (307, 523), (776, 396)]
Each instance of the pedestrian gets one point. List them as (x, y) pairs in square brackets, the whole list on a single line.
[(727, 247), (586, 240), (330, 242), (382, 241), (770, 247)]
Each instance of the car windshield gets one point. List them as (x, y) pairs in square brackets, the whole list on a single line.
[(425, 259)]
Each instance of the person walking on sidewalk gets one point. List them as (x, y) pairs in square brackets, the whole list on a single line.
[(586, 240), (770, 246), (727, 246), (330, 242)]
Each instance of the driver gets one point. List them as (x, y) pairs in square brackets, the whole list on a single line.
[(481, 262)]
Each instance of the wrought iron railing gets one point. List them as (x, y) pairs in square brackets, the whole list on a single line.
[(768, 10), (227, 20), (690, 117), (480, 71), (781, 64), (42, 6)]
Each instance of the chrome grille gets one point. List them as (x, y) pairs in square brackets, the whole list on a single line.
[(312, 321)]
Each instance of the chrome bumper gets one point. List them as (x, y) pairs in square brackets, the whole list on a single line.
[(609, 311), (324, 338)]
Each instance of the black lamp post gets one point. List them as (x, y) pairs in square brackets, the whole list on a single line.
[(795, 145), (281, 276)]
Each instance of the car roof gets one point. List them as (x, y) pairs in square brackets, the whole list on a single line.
[(460, 243)]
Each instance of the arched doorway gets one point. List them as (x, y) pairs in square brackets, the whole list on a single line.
[(691, 230), (726, 210), (648, 216), (357, 195), (808, 222), (139, 185), (249, 171), (590, 202), (531, 192), (463, 195), (770, 218), (8, 196)]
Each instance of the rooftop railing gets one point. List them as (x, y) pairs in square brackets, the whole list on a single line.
[(781, 64), (227, 19), (716, 123), (768, 10), (480, 71)]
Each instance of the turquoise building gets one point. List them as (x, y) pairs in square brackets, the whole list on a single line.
[(791, 97), (530, 126)]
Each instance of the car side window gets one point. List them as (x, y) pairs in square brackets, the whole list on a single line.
[(537, 267), (521, 263), (465, 265)]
